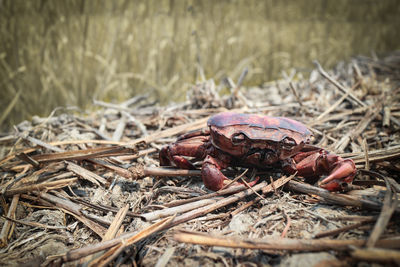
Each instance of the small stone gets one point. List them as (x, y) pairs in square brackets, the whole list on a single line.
[(241, 223), (117, 198), (148, 181), (306, 259)]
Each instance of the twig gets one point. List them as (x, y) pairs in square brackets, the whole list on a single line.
[(319, 216), (244, 206), (111, 105), (5, 231), (291, 85), (86, 174), (338, 85), (386, 116), (40, 187), (240, 81), (84, 154), (395, 185), (22, 175), (235, 180), (41, 143), (163, 260), (365, 147), (198, 124), (332, 107), (29, 160), (119, 130), (376, 255), (34, 224), (279, 243), (343, 229), (375, 155), (151, 216), (339, 199), (230, 190), (353, 218), (110, 234), (105, 208), (73, 209), (138, 123), (388, 208), (116, 224), (248, 186), (288, 223), (134, 100), (273, 187), (162, 171), (100, 219)]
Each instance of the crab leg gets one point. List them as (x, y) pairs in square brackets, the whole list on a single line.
[(195, 147), (202, 132), (211, 173), (316, 163), (212, 176)]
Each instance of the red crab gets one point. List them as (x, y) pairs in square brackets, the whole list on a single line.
[(249, 140)]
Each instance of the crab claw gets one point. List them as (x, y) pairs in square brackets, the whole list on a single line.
[(212, 176), (342, 174), (316, 163)]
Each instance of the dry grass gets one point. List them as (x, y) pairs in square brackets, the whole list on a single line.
[(57, 53)]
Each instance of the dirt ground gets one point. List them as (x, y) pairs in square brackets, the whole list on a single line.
[(88, 188)]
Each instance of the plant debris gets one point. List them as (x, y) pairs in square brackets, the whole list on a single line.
[(89, 190)]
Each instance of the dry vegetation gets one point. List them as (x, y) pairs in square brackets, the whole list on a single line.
[(89, 189), (57, 53)]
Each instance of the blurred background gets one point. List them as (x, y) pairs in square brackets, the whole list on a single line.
[(67, 53)]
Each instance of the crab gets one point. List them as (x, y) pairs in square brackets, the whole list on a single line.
[(256, 141)]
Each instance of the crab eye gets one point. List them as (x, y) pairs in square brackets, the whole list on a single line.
[(288, 142), (238, 138)]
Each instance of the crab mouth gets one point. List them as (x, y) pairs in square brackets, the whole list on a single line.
[(261, 157)]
